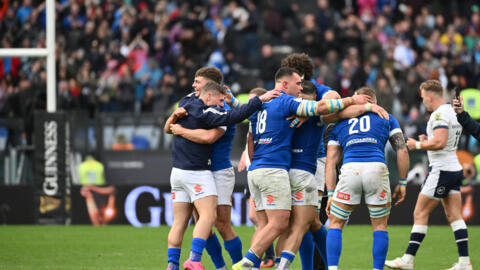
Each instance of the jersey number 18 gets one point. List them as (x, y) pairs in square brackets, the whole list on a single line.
[(261, 121)]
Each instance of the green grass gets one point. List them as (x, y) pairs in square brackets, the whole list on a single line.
[(125, 247)]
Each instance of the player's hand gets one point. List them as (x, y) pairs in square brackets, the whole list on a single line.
[(399, 194), (361, 99), (327, 208), (422, 137), (411, 144), (297, 121), (458, 104), (176, 129), (180, 112), (270, 95), (380, 111), (228, 96)]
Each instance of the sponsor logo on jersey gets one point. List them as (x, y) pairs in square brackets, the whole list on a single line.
[(361, 140), (343, 196), (270, 199), (265, 141), (297, 150), (299, 196)]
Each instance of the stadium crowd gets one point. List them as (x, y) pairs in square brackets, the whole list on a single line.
[(141, 55)]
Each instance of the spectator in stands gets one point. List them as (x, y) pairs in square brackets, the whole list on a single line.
[(122, 144)]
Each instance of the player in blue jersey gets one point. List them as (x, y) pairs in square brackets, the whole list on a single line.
[(191, 179), (268, 174), (363, 171), (222, 170), (303, 63)]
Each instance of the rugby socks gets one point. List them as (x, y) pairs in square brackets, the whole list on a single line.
[(277, 260), (334, 247), (174, 258), (214, 249), (320, 240), (286, 259), (234, 248), (416, 238), (198, 244), (270, 252), (306, 251), (459, 229), (379, 248), (251, 259)]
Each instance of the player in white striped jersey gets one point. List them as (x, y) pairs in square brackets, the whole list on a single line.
[(444, 178)]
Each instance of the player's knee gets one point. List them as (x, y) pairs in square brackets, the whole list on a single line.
[(379, 212), (338, 212)]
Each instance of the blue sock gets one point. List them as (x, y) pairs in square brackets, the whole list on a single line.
[(253, 258), (270, 252), (334, 246), (214, 249), (234, 248), (174, 258), (379, 248), (320, 239), (306, 251), (198, 244), (461, 236), (277, 260), (288, 255)]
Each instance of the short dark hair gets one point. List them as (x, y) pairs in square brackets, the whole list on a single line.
[(300, 62), (211, 73), (258, 91), (432, 86), (284, 72), (309, 88), (213, 87)]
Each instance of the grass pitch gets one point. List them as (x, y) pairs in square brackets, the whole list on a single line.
[(126, 247)]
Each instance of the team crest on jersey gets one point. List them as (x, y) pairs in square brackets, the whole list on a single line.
[(343, 196), (438, 116)]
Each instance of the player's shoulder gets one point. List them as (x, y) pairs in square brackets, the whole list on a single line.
[(444, 112), (213, 110)]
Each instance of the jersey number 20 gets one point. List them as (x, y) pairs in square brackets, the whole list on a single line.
[(364, 124), (261, 121)]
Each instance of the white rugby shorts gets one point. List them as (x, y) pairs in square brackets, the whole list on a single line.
[(304, 187), (188, 185), (224, 183), (320, 174), (368, 178), (270, 189)]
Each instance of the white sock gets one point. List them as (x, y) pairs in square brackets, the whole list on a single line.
[(408, 258), (464, 260), (333, 268)]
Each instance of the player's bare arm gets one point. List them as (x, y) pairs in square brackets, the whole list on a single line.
[(438, 141), (403, 163), (201, 136), (180, 112), (334, 153)]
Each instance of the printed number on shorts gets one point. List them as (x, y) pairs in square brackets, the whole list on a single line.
[(261, 121), (364, 124)]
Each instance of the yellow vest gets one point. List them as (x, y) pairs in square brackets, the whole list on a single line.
[(91, 173), (471, 102)]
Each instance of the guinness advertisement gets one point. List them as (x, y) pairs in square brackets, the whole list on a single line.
[(52, 181), (151, 206)]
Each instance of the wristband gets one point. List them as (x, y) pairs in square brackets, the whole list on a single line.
[(402, 182), (294, 122), (330, 193), (418, 145), (368, 107)]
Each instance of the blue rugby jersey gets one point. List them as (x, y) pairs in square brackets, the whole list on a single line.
[(322, 90), (272, 134), (188, 155), (305, 144), (363, 138), (221, 148)]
